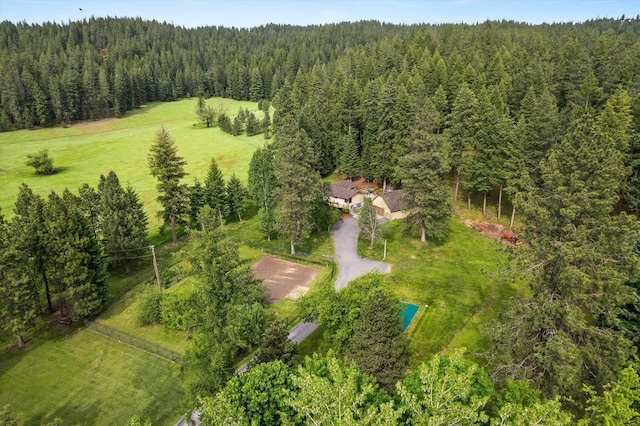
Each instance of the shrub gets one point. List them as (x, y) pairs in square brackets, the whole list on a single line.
[(175, 307), (150, 308)]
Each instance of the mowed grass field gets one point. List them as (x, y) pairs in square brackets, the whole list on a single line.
[(456, 283), (84, 378), (84, 151)]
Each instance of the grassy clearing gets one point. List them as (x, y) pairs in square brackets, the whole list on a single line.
[(85, 150), (455, 283), (82, 377)]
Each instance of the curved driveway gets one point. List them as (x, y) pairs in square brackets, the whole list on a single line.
[(350, 265)]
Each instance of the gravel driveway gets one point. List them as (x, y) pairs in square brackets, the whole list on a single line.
[(350, 265)]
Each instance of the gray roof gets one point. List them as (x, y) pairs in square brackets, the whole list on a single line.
[(393, 200), (344, 189)]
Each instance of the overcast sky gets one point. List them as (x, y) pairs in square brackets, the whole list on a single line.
[(246, 14)]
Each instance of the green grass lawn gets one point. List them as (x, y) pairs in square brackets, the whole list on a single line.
[(84, 378), (85, 150), (455, 283)]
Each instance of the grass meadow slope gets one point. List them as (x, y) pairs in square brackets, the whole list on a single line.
[(85, 150)]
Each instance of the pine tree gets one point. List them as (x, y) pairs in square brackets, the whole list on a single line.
[(378, 345), (168, 168), (30, 234), (236, 194), (215, 192), (580, 258), (262, 186), (298, 182), (423, 173), (460, 131), (19, 305), (89, 203), (196, 201), (124, 223), (77, 266), (349, 161)]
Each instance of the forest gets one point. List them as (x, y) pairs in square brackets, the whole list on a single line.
[(544, 118)]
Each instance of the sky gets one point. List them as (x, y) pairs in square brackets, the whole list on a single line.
[(252, 13)]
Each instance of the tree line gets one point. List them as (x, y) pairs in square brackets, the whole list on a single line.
[(61, 247)]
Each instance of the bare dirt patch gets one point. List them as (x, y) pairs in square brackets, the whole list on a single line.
[(283, 278), (492, 230)]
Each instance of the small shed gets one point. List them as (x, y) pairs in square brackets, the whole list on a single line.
[(389, 205), (344, 193)]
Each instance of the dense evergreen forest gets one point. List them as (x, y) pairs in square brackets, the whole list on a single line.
[(544, 116)]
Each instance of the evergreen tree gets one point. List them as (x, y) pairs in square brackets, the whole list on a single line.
[(265, 125), (89, 204), (349, 161), (215, 192), (196, 201), (236, 195), (253, 125), (298, 182), (580, 259), (77, 266), (378, 345), (30, 234), (228, 309), (124, 224), (461, 130), (19, 306), (423, 173), (224, 122), (168, 168), (41, 162), (262, 186), (276, 346)]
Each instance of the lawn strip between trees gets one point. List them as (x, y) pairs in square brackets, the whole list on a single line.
[(455, 283)]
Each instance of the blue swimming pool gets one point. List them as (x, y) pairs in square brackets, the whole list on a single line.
[(408, 312)]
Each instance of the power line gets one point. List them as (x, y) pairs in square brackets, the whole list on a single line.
[(136, 257), (133, 249)]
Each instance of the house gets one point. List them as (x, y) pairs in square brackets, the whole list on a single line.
[(345, 193), (389, 205)]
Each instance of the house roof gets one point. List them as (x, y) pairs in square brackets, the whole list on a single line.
[(344, 189), (393, 200)]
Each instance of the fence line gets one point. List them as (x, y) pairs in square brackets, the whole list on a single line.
[(133, 341)]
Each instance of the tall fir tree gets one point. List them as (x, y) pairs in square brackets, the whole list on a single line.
[(168, 168), (262, 186), (30, 233), (236, 194), (298, 182), (378, 344), (215, 192), (124, 223), (423, 173), (77, 266), (19, 304)]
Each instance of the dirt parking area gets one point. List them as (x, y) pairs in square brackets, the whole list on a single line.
[(284, 278)]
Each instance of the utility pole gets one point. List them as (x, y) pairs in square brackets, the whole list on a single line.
[(155, 267)]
